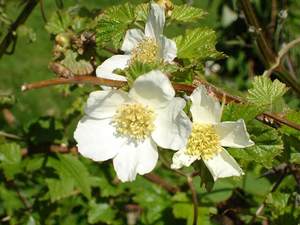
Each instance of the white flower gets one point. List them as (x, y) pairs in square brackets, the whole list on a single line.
[(209, 135), (147, 47), (127, 127)]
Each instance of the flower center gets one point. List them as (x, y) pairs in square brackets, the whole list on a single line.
[(203, 141), (145, 52), (134, 120)]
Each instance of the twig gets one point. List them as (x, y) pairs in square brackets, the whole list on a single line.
[(11, 36), (43, 11), (194, 199), (11, 136), (161, 182), (269, 56), (281, 54), (178, 87), (264, 47)]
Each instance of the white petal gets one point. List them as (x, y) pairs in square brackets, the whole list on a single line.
[(172, 126), (153, 89), (103, 104), (156, 21), (148, 156), (96, 140), (131, 40), (168, 49), (180, 159), (105, 70), (133, 159), (223, 165), (234, 134), (205, 109)]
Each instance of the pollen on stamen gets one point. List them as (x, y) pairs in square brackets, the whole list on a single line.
[(135, 121), (203, 141), (145, 52)]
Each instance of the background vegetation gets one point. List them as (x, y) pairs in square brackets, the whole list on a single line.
[(44, 181)]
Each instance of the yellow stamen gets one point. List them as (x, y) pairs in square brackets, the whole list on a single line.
[(203, 141), (134, 121), (145, 52)]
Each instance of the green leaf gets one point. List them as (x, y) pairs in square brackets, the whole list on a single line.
[(59, 22), (267, 94), (186, 211), (292, 116), (142, 12), (69, 166), (268, 145), (60, 188), (11, 199), (186, 13), (295, 158), (198, 43), (124, 13), (10, 159), (206, 178), (112, 26), (233, 112), (101, 213), (137, 69)]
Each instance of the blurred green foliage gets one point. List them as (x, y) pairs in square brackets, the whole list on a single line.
[(40, 186)]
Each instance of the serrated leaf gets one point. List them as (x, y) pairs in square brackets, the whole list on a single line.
[(114, 23), (267, 93), (124, 13), (60, 188), (187, 13), (142, 12), (110, 31), (101, 213), (76, 66), (10, 159), (268, 145), (198, 44), (69, 166)]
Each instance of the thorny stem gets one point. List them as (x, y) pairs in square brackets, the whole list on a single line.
[(194, 199), (269, 56), (11, 34), (178, 87), (281, 55)]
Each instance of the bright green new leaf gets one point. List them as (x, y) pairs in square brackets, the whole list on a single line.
[(186, 13), (267, 93), (198, 44), (114, 23)]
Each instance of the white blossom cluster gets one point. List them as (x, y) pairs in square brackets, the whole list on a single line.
[(128, 127)]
